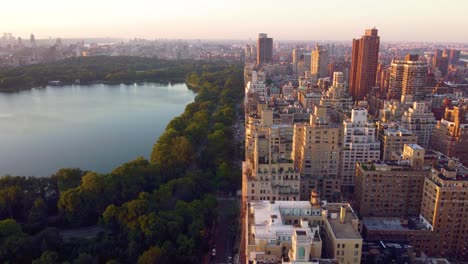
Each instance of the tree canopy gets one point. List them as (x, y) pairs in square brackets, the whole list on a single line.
[(152, 211)]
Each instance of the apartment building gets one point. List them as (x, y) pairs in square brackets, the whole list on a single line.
[(316, 153), (359, 145), (421, 121), (391, 188)]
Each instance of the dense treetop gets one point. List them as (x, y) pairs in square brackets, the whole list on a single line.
[(151, 211), (102, 69)]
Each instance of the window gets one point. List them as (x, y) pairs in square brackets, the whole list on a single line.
[(356, 246), (301, 252)]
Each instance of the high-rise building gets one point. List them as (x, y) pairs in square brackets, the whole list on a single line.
[(264, 49), (316, 154), (337, 100), (408, 77), (392, 139), (440, 61), (450, 135), (421, 121), (297, 56), (271, 176), (382, 79), (338, 79), (444, 210), (32, 41), (364, 63), (454, 56), (359, 145), (319, 63), (391, 188), (307, 60)]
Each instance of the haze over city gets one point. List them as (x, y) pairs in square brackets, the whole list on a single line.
[(234, 132), (398, 20)]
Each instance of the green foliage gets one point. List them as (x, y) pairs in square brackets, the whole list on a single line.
[(103, 69), (12, 240), (68, 178), (48, 257), (151, 256), (18, 195), (157, 211)]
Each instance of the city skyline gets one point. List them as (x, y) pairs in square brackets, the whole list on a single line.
[(335, 21)]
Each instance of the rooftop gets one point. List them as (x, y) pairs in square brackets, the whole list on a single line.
[(346, 230), (264, 210), (415, 146), (386, 165), (393, 224)]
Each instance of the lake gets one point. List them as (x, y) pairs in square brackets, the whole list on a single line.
[(93, 127)]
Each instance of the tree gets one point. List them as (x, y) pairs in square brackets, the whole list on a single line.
[(68, 178), (48, 257), (83, 258), (38, 214), (12, 241), (151, 256)]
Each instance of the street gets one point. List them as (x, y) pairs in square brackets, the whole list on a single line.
[(224, 231)]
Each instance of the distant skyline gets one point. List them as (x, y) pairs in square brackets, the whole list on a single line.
[(397, 20)]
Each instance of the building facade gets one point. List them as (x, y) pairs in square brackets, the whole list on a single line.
[(364, 63), (316, 154), (359, 145), (450, 135), (391, 188), (421, 121), (408, 77), (319, 63), (392, 139), (444, 210), (264, 49)]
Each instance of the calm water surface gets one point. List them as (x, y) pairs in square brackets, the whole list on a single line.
[(96, 127)]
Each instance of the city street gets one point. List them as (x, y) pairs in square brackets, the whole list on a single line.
[(224, 232)]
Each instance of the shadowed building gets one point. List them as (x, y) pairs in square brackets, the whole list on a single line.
[(450, 135), (264, 49)]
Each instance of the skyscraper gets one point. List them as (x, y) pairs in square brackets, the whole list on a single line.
[(408, 77), (264, 49), (297, 55), (32, 41), (440, 61), (364, 64), (319, 63)]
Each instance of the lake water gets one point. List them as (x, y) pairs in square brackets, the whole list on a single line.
[(95, 127)]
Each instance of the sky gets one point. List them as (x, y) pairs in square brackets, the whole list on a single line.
[(397, 20)]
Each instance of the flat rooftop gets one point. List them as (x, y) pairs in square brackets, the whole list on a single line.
[(263, 210), (415, 146), (345, 230), (392, 224)]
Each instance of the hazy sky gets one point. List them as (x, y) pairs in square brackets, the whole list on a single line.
[(411, 20)]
